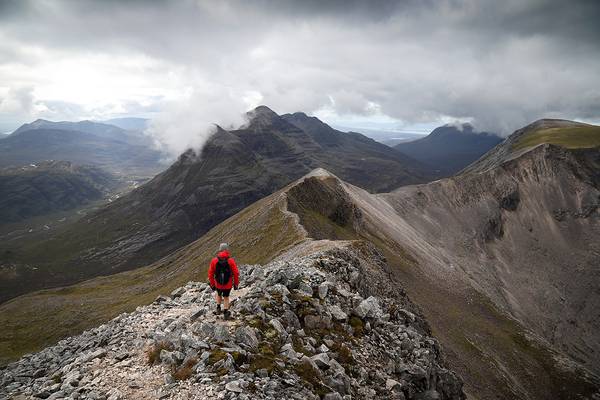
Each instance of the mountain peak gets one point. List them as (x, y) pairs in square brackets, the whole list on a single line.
[(547, 123), (454, 129), (300, 114), (559, 132), (263, 109), (303, 120), (320, 131), (38, 123), (319, 173), (261, 116), (262, 112)]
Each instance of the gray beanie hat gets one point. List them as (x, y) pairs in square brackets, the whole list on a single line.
[(223, 246)]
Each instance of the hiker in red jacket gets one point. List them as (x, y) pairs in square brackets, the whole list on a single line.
[(222, 275)]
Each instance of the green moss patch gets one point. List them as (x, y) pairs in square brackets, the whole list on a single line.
[(310, 376), (571, 138), (215, 356), (258, 323), (238, 358), (298, 347), (185, 371), (265, 357), (153, 352), (358, 325), (344, 353)]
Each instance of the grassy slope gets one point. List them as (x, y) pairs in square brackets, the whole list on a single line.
[(571, 138), (256, 235), (30, 251)]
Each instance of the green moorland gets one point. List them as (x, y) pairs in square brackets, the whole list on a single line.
[(572, 137)]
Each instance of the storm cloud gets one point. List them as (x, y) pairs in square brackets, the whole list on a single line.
[(499, 65)]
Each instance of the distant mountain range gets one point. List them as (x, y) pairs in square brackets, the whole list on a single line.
[(450, 148), (120, 151), (129, 123), (234, 169), (387, 137), (50, 186)]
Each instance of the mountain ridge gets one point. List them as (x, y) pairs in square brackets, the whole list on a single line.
[(511, 148), (234, 169), (284, 341), (356, 215)]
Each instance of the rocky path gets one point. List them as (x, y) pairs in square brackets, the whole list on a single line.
[(132, 378), (301, 330)]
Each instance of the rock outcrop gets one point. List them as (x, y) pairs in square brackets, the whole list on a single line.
[(317, 326)]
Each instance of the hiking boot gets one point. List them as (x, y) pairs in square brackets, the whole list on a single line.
[(227, 314), (218, 310)]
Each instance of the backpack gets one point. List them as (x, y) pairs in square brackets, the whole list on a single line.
[(223, 271)]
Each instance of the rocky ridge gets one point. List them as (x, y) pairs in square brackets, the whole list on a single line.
[(305, 327)]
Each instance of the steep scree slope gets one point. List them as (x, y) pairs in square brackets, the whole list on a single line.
[(526, 235), (503, 263)]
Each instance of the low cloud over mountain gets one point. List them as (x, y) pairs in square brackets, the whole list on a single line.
[(486, 62)]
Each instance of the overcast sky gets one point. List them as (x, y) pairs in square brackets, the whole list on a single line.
[(389, 64)]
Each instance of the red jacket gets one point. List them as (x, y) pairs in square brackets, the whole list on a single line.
[(235, 276)]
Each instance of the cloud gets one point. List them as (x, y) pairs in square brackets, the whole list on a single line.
[(19, 99), (189, 122), (500, 65)]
